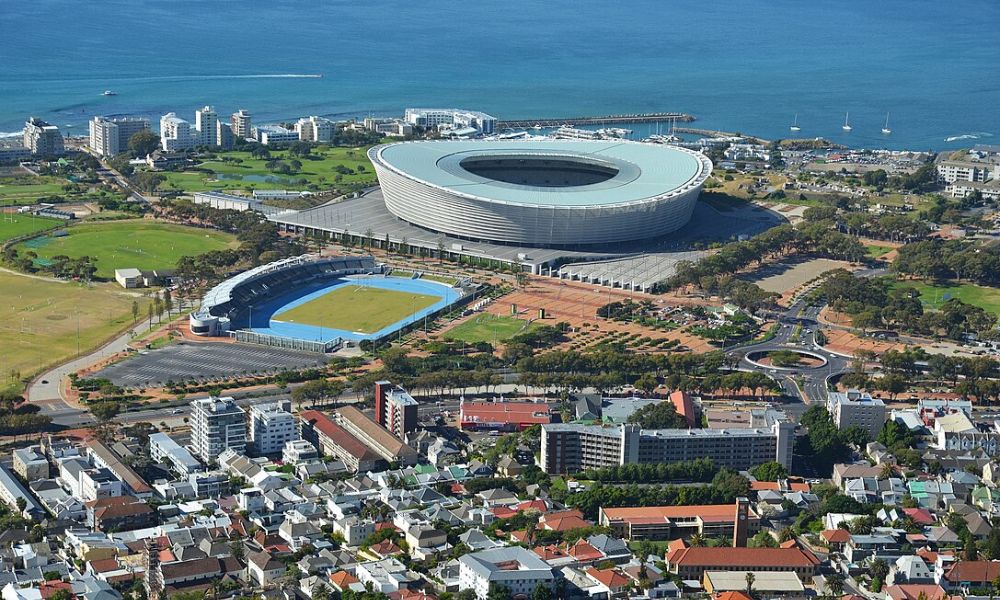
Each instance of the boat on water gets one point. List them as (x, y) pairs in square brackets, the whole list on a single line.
[(109, 93), (537, 127), (795, 124), (885, 128), (847, 125)]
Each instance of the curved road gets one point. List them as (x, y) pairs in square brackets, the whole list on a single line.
[(814, 380)]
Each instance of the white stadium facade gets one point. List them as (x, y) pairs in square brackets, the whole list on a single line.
[(541, 193)]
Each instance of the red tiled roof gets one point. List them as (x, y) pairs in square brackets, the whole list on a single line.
[(529, 505), (836, 536), (750, 558), (50, 588), (104, 565), (502, 512), (338, 435), (342, 579), (583, 551), (550, 552), (385, 548), (684, 406), (613, 579), (920, 516), (978, 571), (913, 591), (732, 596), (654, 514)]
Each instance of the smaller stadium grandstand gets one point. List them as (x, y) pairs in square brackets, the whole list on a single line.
[(318, 303)]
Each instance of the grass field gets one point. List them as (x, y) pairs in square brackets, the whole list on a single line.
[(39, 319), (357, 308), (320, 171), (26, 189), (933, 296), (873, 251), (487, 328), (15, 225), (140, 244)]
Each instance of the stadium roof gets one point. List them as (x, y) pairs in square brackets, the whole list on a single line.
[(645, 171)]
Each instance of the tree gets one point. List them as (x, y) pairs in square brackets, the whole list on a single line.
[(763, 539), (168, 301), (835, 584), (498, 592), (105, 411), (541, 592), (878, 569), (142, 143), (135, 311), (21, 504), (750, 578), (660, 415), (769, 471)]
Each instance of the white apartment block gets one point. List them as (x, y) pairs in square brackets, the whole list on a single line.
[(217, 424), (271, 427), (175, 133), (431, 118), (315, 129), (518, 569), (950, 171), (296, 451), (110, 136), (205, 128), (41, 137), (241, 124), (855, 408), (275, 135), (30, 464)]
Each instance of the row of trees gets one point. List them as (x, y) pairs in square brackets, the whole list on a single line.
[(699, 470), (950, 259)]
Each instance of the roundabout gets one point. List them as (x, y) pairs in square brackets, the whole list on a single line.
[(790, 359)]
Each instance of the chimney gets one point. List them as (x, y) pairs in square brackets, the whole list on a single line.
[(741, 525)]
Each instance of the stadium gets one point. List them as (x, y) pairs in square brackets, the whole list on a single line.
[(318, 303), (541, 193)]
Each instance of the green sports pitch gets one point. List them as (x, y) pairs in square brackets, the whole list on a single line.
[(487, 328), (357, 309), (139, 244), (15, 225)]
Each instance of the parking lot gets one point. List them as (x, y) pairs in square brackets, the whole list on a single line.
[(184, 361)]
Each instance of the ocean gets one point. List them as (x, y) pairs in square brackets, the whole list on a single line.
[(744, 65)]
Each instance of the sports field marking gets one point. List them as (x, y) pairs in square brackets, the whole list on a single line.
[(357, 308)]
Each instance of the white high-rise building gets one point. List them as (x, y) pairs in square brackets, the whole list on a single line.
[(42, 138), (271, 426), (241, 124), (217, 424), (110, 136), (315, 129), (204, 124), (175, 133)]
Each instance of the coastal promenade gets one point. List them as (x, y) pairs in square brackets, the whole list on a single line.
[(658, 117)]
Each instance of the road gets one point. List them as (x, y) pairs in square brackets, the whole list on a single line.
[(808, 384)]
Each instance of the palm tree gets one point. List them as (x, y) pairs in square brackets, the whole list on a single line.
[(750, 579), (835, 584), (697, 540)]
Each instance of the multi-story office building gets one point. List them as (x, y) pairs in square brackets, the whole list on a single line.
[(855, 408), (42, 138), (314, 129), (241, 124), (395, 409), (569, 448), (217, 424), (271, 425), (275, 135), (204, 125), (110, 136), (453, 117), (175, 133)]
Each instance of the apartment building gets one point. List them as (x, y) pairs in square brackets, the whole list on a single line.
[(271, 425), (110, 135), (950, 171), (163, 449), (175, 133), (217, 424), (395, 409), (854, 408), (315, 129), (431, 118), (692, 563), (275, 135), (241, 123), (30, 463), (570, 448), (42, 138), (516, 568), (205, 129)]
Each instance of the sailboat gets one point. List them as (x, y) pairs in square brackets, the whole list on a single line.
[(886, 129), (847, 126), (795, 124)]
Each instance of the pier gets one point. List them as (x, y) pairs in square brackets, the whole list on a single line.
[(661, 117)]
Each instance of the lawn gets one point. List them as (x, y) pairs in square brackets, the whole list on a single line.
[(318, 170), (873, 251), (933, 296), (357, 308), (487, 328), (39, 320), (14, 225), (15, 191), (139, 244)]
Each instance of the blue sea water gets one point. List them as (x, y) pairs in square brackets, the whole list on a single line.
[(743, 65)]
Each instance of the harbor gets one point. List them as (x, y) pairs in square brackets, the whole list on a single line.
[(657, 117)]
